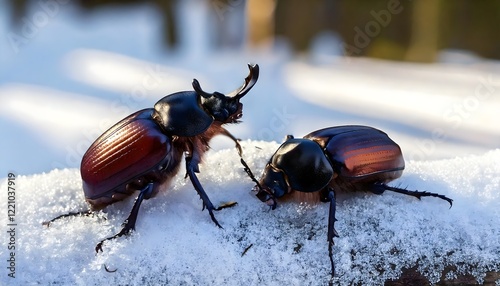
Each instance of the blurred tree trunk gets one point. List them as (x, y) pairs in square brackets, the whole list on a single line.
[(424, 32), (260, 17), (299, 21), (169, 22), (293, 20), (18, 9)]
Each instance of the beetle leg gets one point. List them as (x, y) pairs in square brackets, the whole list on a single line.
[(240, 152), (82, 213), (331, 228), (191, 169), (250, 174), (236, 140), (418, 194), (129, 223)]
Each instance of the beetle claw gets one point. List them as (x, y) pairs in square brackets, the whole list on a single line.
[(125, 231), (223, 206), (274, 204), (107, 269), (129, 223), (214, 219)]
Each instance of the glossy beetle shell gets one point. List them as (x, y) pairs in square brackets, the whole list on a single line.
[(181, 114), (132, 149), (297, 157), (360, 153)]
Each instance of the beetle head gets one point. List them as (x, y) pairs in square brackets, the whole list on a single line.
[(272, 185), (299, 165), (227, 109)]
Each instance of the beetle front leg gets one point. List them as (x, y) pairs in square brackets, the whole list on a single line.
[(129, 223), (240, 152), (331, 227), (236, 140), (191, 169)]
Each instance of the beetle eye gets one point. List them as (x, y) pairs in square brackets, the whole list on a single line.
[(277, 190)]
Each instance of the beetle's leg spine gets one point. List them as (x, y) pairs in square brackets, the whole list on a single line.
[(418, 194), (191, 168), (331, 228)]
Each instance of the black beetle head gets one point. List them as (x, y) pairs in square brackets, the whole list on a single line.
[(272, 185), (305, 164), (298, 165), (227, 109)]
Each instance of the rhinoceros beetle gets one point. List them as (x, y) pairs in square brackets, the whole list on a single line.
[(336, 159), (143, 151)]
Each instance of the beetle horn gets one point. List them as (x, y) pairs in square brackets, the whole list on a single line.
[(250, 81), (197, 88)]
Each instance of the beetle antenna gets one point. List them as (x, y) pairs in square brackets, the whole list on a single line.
[(250, 174), (108, 270)]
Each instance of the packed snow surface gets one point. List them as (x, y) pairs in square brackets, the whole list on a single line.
[(177, 243)]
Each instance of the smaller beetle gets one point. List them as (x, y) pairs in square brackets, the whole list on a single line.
[(336, 159)]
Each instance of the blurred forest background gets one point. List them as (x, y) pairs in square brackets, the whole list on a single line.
[(388, 29)]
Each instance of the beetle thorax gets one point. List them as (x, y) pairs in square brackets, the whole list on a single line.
[(198, 144)]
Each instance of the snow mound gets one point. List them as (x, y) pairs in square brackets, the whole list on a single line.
[(176, 243)]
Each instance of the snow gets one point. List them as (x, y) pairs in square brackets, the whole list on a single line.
[(56, 99), (176, 243)]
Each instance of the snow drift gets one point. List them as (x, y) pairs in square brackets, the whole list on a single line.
[(176, 243)]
